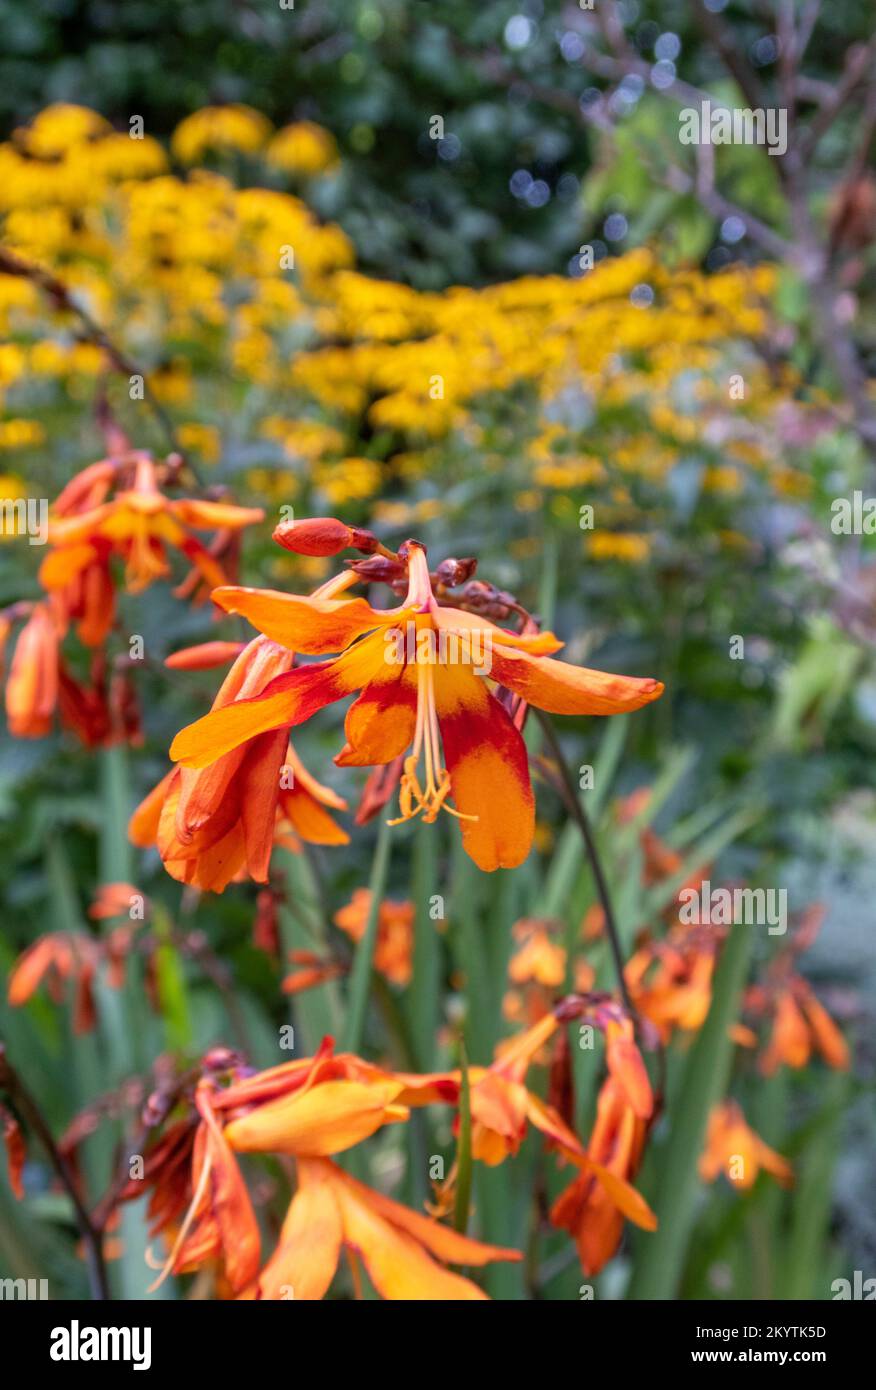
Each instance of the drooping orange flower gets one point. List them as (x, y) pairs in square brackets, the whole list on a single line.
[(732, 1148), (800, 1022), (800, 1025), (502, 1107), (57, 958), (591, 1208), (393, 951), (199, 1204), (41, 685), (424, 671), (117, 900), (213, 825), (528, 1003), (32, 687), (404, 1252), (139, 523), (670, 981), (539, 958), (311, 969)]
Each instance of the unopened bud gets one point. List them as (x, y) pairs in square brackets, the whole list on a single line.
[(451, 572), (315, 535)]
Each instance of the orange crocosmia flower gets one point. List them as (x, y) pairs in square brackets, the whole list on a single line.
[(594, 1206), (826, 1037), (114, 900), (404, 1252), (393, 952), (58, 957), (311, 970), (539, 959), (801, 1023), (732, 1148), (32, 689), (219, 823), (670, 981), (139, 524), (501, 1105), (423, 671)]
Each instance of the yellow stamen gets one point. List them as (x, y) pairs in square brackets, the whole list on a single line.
[(415, 799)]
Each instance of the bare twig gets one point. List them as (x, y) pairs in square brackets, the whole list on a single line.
[(582, 820), (33, 1117), (63, 298)]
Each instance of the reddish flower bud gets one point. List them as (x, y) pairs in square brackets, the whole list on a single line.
[(451, 571), (379, 569), (315, 535), (204, 656)]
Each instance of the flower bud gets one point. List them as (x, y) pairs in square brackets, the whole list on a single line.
[(315, 535)]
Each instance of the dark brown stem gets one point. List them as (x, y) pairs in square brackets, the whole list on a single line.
[(582, 820), (158, 1107), (13, 264), (31, 1114)]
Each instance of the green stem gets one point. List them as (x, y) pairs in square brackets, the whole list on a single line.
[(582, 820), (660, 1257), (463, 1147), (360, 982)]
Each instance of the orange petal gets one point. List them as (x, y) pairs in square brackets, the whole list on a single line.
[(627, 1067), (29, 970), (314, 626), (399, 1268), (443, 1241), (259, 793), (828, 1038), (456, 620), (143, 825), (551, 1123), (489, 773), (304, 1263), (329, 1117), (380, 724), (231, 1207), (287, 700), (560, 688), (624, 1196), (65, 564), (309, 819), (208, 516)]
